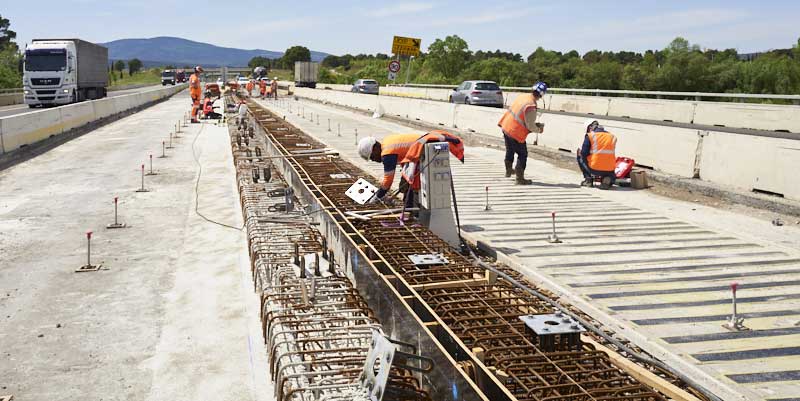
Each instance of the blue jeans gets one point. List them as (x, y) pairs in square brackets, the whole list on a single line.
[(588, 173), (520, 149)]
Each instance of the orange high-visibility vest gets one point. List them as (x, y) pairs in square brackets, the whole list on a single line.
[(194, 86), (398, 144), (601, 155), (410, 164), (513, 121)]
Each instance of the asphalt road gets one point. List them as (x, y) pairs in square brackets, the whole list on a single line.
[(6, 111)]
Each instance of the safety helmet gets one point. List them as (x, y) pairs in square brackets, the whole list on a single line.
[(365, 147), (540, 88), (198, 69), (590, 124), (275, 79)]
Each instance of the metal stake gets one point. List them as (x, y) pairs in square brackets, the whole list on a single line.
[(553, 238), (116, 223), (151, 166), (170, 141), (735, 323), (142, 189), (329, 125), (487, 207), (356, 130), (338, 129), (88, 267), (163, 150)]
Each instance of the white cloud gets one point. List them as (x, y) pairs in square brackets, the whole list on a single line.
[(399, 9)]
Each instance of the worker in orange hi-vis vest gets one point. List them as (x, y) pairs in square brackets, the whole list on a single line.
[(195, 91), (597, 156), (517, 122), (249, 87), (274, 86), (262, 87)]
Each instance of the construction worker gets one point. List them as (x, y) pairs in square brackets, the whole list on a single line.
[(208, 108), (274, 86), (517, 122), (262, 87), (249, 87), (195, 92), (242, 110), (597, 157), (405, 149)]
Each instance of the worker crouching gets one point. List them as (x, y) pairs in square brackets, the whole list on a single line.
[(208, 108), (406, 150), (517, 122), (597, 157)]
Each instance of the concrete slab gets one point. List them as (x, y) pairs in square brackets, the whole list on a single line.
[(628, 240), (172, 314)]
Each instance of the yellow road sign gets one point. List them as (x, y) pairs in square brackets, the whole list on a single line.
[(406, 46)]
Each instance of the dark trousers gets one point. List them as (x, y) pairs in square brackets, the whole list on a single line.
[(588, 173), (521, 150), (408, 193)]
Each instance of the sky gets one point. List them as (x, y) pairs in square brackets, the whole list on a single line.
[(345, 26)]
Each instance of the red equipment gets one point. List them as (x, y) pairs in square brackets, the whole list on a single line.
[(624, 167)]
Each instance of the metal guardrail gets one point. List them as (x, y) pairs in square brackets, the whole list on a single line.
[(10, 91), (658, 94)]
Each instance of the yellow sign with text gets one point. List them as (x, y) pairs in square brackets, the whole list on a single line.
[(406, 46)]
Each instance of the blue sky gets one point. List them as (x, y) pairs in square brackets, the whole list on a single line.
[(344, 26)]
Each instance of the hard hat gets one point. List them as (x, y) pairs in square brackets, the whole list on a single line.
[(588, 123), (540, 88), (365, 147), (276, 78), (198, 69)]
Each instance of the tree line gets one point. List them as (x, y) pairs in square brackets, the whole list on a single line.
[(681, 66)]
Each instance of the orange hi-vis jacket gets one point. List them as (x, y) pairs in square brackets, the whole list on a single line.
[(602, 152), (410, 162), (249, 87), (395, 144), (194, 87), (513, 121), (262, 86)]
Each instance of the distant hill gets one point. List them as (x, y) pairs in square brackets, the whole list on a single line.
[(166, 50)]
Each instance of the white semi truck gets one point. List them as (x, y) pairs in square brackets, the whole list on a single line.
[(305, 74), (61, 71)]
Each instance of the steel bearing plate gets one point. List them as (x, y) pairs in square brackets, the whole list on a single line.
[(361, 191), (428, 259), (555, 323)]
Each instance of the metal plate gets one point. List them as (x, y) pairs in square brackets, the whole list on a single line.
[(427, 259), (361, 191), (556, 323), (341, 176)]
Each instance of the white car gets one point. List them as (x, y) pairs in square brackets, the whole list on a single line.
[(242, 81)]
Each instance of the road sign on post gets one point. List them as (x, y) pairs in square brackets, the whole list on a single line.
[(403, 46), (394, 66), (392, 76)]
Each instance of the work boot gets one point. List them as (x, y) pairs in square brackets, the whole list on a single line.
[(195, 121), (605, 183), (509, 168), (587, 182), (521, 178)]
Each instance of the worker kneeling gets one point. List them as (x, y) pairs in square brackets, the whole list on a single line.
[(405, 149), (596, 157), (208, 108)]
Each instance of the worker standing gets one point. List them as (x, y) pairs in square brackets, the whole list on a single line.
[(597, 155), (262, 87), (517, 122), (249, 87), (195, 92), (405, 149), (274, 86)]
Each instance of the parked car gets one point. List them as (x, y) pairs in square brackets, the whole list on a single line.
[(369, 86), (478, 93)]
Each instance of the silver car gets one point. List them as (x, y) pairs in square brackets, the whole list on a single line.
[(478, 93), (368, 86)]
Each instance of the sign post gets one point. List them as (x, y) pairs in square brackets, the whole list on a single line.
[(394, 68)]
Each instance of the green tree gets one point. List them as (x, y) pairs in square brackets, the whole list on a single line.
[(119, 65), (295, 54), (7, 36), (448, 57), (259, 61), (134, 66)]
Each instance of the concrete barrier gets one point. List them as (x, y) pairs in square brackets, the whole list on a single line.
[(754, 116), (478, 119), (597, 106), (31, 127), (751, 163), (652, 109), (10, 98)]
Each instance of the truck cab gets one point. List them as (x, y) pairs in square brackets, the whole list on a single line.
[(168, 77), (51, 73)]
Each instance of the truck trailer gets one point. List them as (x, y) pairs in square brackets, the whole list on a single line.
[(305, 74), (62, 71)]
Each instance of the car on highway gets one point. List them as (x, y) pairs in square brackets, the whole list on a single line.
[(242, 81), (168, 77), (478, 93), (369, 86)]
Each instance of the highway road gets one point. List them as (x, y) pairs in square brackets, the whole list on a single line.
[(11, 110)]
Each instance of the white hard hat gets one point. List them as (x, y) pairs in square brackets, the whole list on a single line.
[(588, 123), (276, 78), (365, 147)]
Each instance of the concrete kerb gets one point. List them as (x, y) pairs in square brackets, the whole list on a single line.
[(706, 188), (14, 156)]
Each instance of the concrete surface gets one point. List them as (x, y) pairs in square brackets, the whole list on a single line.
[(654, 269), (172, 316)]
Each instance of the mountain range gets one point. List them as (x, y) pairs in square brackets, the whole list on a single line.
[(165, 50)]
